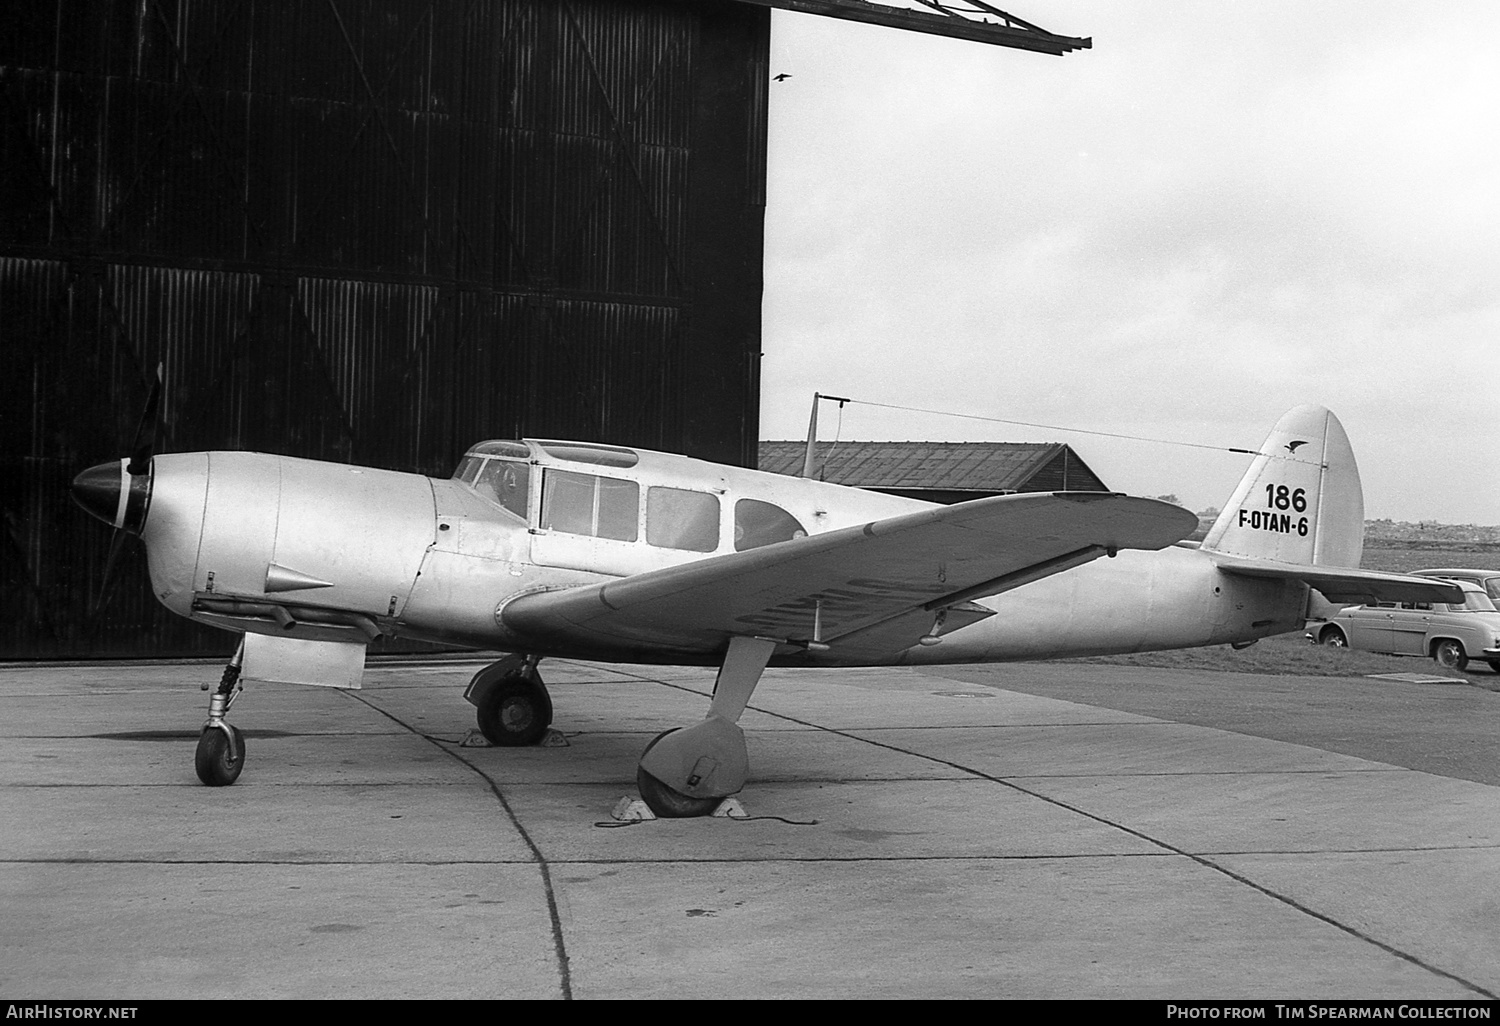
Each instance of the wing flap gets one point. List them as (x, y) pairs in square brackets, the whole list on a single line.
[(872, 643), (828, 586), (1347, 586)]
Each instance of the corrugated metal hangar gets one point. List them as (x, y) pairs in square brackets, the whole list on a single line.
[(371, 231)]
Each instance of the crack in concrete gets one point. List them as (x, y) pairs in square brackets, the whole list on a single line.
[(560, 948)]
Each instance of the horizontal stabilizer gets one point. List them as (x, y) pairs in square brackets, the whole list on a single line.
[(1346, 586)]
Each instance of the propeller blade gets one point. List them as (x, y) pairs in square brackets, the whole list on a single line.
[(89, 489), (116, 542), (145, 431)]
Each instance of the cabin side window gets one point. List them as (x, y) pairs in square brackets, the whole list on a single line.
[(680, 519), (758, 523), (599, 507), (508, 482)]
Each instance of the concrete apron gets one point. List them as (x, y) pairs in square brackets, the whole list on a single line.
[(910, 835)]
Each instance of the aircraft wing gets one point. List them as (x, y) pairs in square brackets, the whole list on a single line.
[(899, 572), (1346, 586)]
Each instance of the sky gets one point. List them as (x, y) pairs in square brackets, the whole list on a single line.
[(1221, 211)]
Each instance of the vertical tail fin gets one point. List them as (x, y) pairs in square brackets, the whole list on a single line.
[(1301, 500)]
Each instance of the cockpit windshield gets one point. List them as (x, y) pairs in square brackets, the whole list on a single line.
[(468, 469), (499, 470)]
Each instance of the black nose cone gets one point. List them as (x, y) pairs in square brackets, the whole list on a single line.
[(98, 489)]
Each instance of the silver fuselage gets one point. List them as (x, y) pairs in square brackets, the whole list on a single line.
[(321, 551)]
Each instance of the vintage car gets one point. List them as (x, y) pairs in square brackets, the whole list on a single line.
[(1489, 580), (1450, 633)]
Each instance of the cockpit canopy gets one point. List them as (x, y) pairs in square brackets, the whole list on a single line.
[(678, 512)]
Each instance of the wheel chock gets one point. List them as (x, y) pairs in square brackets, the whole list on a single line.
[(632, 810), (551, 739), (730, 808)]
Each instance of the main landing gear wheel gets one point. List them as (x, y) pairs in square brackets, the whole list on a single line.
[(667, 802), (515, 712), (1450, 655), (220, 759)]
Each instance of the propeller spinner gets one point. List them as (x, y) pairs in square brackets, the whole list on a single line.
[(112, 493)]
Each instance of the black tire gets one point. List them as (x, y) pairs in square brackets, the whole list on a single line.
[(1333, 638), (516, 712), (1450, 655), (667, 802), (217, 762), (1495, 665)]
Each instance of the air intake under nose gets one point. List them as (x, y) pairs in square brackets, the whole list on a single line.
[(114, 495)]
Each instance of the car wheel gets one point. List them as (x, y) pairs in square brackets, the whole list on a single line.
[(1450, 655), (1333, 637)]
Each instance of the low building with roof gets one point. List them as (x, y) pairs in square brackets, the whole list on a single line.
[(944, 472)]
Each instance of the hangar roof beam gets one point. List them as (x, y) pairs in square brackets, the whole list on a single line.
[(961, 19)]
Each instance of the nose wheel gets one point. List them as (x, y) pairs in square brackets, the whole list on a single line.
[(220, 756), (221, 746)]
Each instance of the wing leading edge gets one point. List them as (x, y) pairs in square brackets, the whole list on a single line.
[(888, 580)]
